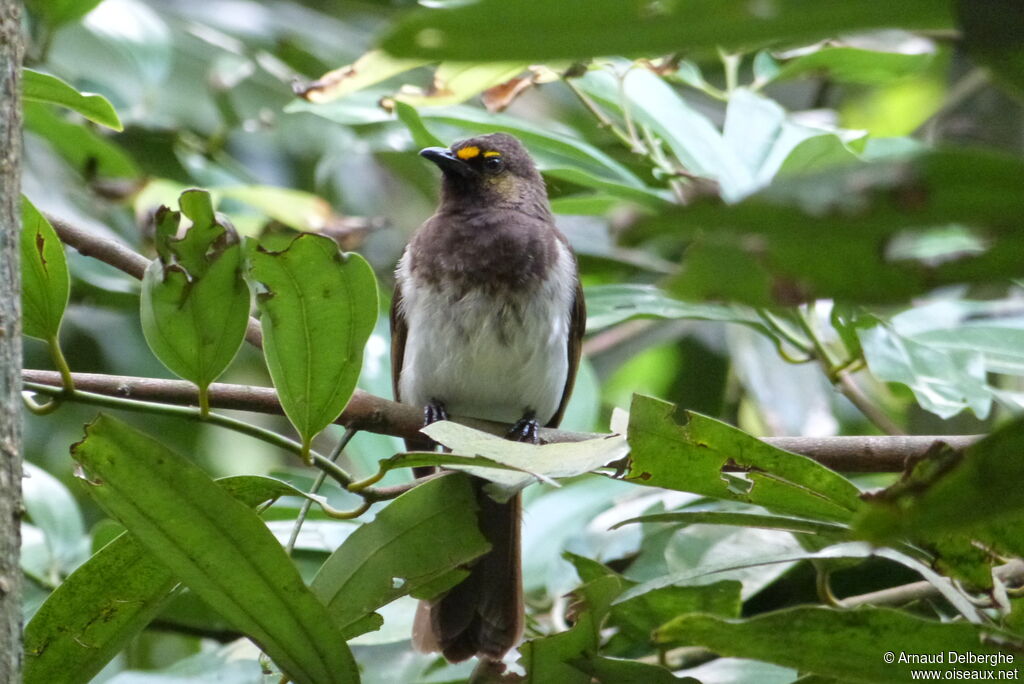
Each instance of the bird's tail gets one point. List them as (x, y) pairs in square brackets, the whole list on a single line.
[(483, 614)]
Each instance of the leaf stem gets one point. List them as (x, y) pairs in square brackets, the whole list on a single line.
[(731, 63), (61, 363), (602, 119)]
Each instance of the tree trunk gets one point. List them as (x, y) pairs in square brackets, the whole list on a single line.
[(10, 340)]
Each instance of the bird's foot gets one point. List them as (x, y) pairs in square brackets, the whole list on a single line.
[(434, 412), (526, 429)]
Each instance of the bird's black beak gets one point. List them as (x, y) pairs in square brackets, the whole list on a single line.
[(449, 163)]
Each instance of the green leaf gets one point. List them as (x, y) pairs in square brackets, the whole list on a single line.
[(609, 305), (618, 671), (83, 148), (978, 488), (59, 12), (217, 546), (294, 208), (691, 136), (421, 135), (525, 462), (817, 154), (91, 616), (45, 282), (944, 352), (39, 87), (847, 644), (690, 456), (370, 69), (551, 658), (765, 522), (456, 82), (51, 508), (552, 149), (635, 619), (318, 307), (537, 30), (856, 65), (427, 533), (837, 233), (109, 599), (991, 35), (195, 301)]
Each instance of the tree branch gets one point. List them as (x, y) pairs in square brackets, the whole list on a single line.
[(374, 414)]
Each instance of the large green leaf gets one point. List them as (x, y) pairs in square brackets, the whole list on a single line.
[(840, 233), (851, 645), (856, 65), (690, 455), (45, 283), (608, 305), (52, 508), (456, 82), (945, 351), (410, 545), (103, 604), (539, 30), (318, 307), (195, 301), (39, 87), (91, 616), (217, 546)]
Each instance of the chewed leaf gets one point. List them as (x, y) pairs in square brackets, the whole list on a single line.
[(195, 301), (689, 456)]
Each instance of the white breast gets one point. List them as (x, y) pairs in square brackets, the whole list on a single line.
[(488, 357)]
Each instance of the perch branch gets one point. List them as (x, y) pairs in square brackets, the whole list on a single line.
[(374, 414)]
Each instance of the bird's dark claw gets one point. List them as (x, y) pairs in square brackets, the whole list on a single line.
[(526, 430), (434, 411)]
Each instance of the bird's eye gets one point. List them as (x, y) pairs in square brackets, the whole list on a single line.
[(494, 164)]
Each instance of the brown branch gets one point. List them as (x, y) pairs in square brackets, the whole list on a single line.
[(124, 259), (374, 414)]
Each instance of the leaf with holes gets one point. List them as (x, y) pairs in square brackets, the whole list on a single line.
[(195, 301), (318, 308)]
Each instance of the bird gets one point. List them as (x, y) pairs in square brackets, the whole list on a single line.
[(487, 321)]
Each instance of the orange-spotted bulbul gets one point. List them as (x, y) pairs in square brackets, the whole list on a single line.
[(487, 321)]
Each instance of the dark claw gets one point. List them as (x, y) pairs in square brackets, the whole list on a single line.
[(526, 429), (434, 411)]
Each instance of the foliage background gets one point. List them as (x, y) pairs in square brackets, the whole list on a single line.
[(204, 90)]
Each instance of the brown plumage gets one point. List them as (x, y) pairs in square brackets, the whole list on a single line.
[(487, 321)]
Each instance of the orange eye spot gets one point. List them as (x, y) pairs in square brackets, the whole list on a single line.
[(468, 152), (492, 153)]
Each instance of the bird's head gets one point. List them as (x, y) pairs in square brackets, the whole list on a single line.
[(486, 170)]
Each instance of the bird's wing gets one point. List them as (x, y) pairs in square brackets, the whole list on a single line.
[(574, 347), (398, 335)]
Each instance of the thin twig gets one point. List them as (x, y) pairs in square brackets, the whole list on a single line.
[(317, 484)]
